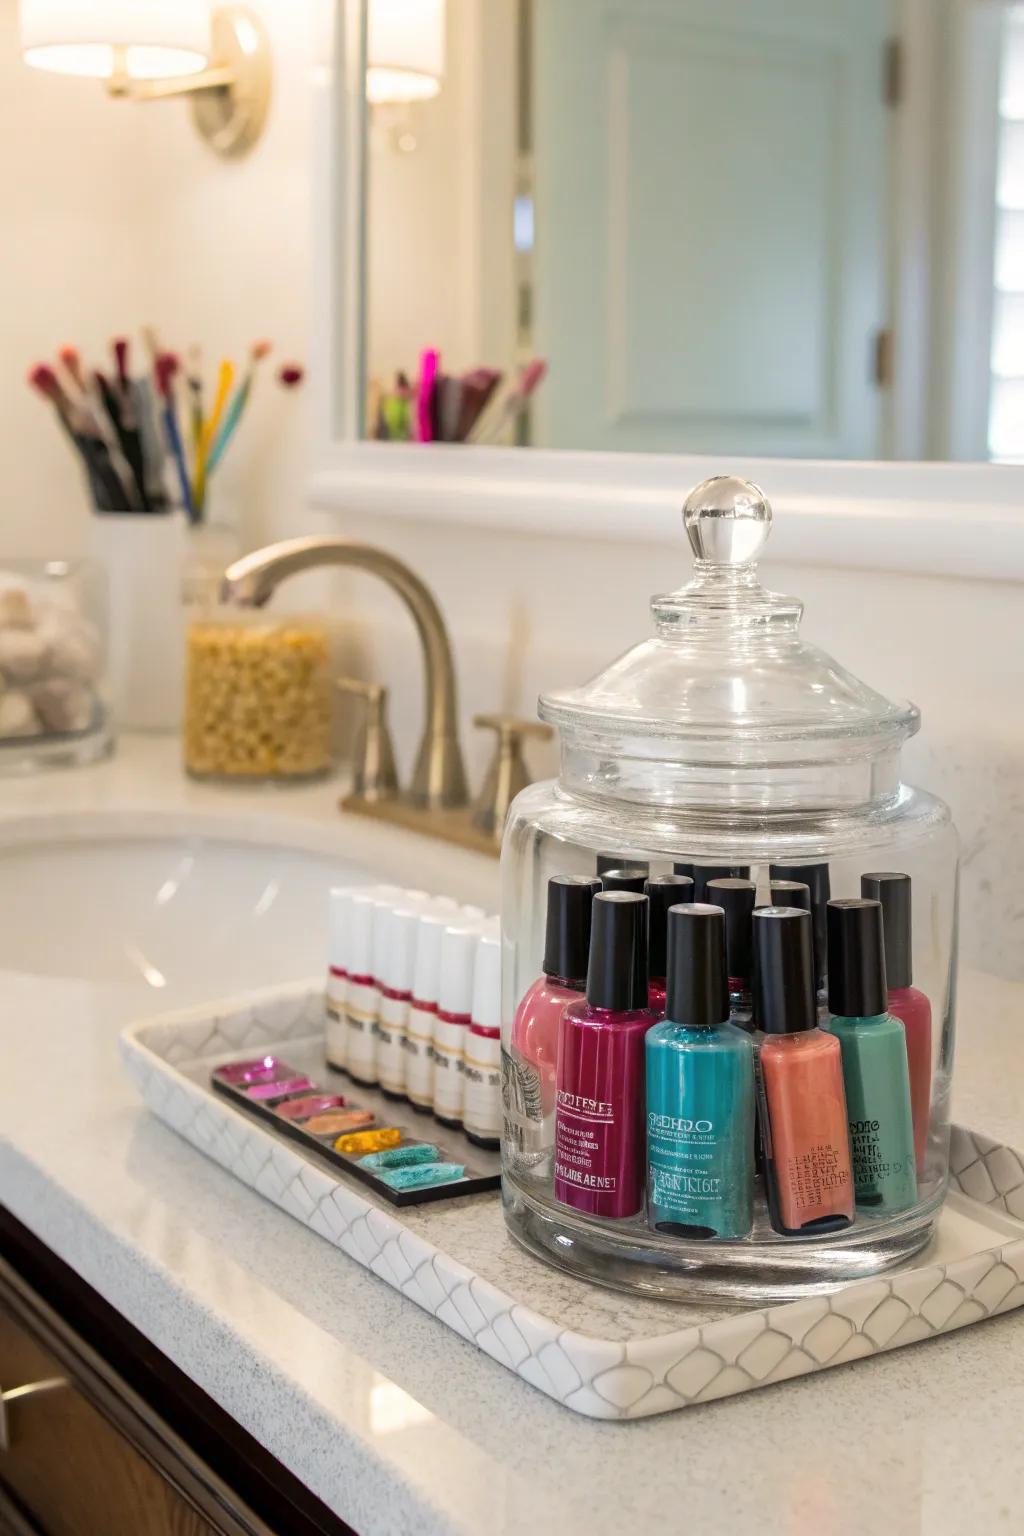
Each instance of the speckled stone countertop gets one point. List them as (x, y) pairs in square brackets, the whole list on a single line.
[(392, 1420)]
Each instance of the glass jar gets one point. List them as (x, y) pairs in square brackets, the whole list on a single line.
[(726, 746), (257, 697), (54, 705)]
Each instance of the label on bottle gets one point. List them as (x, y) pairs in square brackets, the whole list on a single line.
[(685, 1181), (813, 1175), (876, 1163), (419, 1055), (583, 1129), (336, 1030), (392, 1020), (481, 1111), (449, 1068), (361, 1005), (522, 1104)]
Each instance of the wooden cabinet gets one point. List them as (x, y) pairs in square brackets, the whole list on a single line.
[(68, 1467)]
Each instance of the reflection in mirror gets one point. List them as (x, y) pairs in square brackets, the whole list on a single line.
[(773, 228)]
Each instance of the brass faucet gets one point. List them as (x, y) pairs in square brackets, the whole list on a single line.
[(437, 800)]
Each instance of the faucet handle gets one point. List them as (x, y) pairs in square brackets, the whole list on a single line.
[(374, 775), (508, 773)]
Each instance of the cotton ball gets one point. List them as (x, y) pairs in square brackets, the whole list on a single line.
[(24, 654), (18, 716), (16, 610), (63, 704), (74, 645)]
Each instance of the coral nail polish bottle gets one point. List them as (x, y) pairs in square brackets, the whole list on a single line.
[(802, 1102), (663, 892), (874, 1051), (562, 981), (906, 1001), (599, 1110), (700, 1091), (736, 898), (625, 877)]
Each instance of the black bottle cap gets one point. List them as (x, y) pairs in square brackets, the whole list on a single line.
[(684, 869), (736, 898), (893, 891), (856, 959), (784, 1000), (606, 861), (698, 985), (625, 877), (702, 873), (816, 879), (663, 891), (617, 974), (794, 893), (567, 936)]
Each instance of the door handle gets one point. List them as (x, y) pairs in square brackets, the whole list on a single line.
[(14, 1394)]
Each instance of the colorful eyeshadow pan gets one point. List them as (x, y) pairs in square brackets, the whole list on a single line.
[(335, 1122), (280, 1089), (401, 1157), (368, 1141), (263, 1070), (311, 1104), (422, 1177)]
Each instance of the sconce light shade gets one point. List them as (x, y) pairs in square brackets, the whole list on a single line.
[(404, 50), (145, 39)]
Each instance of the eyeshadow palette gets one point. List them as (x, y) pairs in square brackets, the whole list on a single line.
[(369, 1144)]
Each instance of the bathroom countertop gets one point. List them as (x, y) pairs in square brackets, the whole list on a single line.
[(393, 1421)]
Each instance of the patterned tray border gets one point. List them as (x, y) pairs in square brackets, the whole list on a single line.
[(593, 1376)]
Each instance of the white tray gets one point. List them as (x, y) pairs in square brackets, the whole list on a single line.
[(598, 1352)]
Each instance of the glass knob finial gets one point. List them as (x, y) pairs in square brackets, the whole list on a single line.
[(727, 520)]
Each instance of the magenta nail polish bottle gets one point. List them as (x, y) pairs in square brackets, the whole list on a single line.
[(600, 1153), (663, 892)]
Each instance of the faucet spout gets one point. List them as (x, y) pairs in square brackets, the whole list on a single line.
[(439, 777)]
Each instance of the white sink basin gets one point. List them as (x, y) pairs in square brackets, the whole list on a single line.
[(163, 919)]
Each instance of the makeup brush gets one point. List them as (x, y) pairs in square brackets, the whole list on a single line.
[(289, 375), (127, 435), (97, 423), (478, 389), (104, 486), (430, 362), (514, 404), (167, 365), (257, 352), (194, 380), (119, 347), (71, 362), (225, 377)]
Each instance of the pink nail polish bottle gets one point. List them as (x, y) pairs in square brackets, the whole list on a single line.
[(563, 978), (905, 1001), (663, 892), (600, 1125)]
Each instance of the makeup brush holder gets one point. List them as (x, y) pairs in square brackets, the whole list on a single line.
[(727, 747)]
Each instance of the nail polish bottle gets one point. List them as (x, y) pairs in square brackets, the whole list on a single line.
[(361, 996), (663, 892), (818, 881), (700, 1091), (874, 1051), (336, 991), (684, 867), (563, 978), (802, 1103), (736, 898), (607, 861), (454, 1004), (702, 873), (481, 1108), (394, 954), (906, 1001), (422, 1017), (628, 877), (599, 1110)]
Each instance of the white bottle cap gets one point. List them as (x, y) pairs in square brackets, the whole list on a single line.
[(469, 915), (444, 904), (427, 968), (394, 944), (487, 981), (361, 912), (458, 961), (337, 925)]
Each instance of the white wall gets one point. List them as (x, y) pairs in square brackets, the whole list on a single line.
[(117, 215)]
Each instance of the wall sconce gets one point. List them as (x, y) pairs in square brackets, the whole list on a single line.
[(148, 50), (404, 50)]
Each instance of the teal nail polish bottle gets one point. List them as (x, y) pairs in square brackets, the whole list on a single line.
[(874, 1051), (700, 1091)]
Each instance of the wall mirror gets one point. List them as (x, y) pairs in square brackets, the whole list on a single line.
[(594, 237)]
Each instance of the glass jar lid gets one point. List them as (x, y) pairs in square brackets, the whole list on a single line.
[(726, 672)]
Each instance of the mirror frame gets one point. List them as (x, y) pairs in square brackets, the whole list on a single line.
[(923, 518)]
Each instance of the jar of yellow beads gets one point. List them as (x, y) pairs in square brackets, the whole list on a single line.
[(257, 697)]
